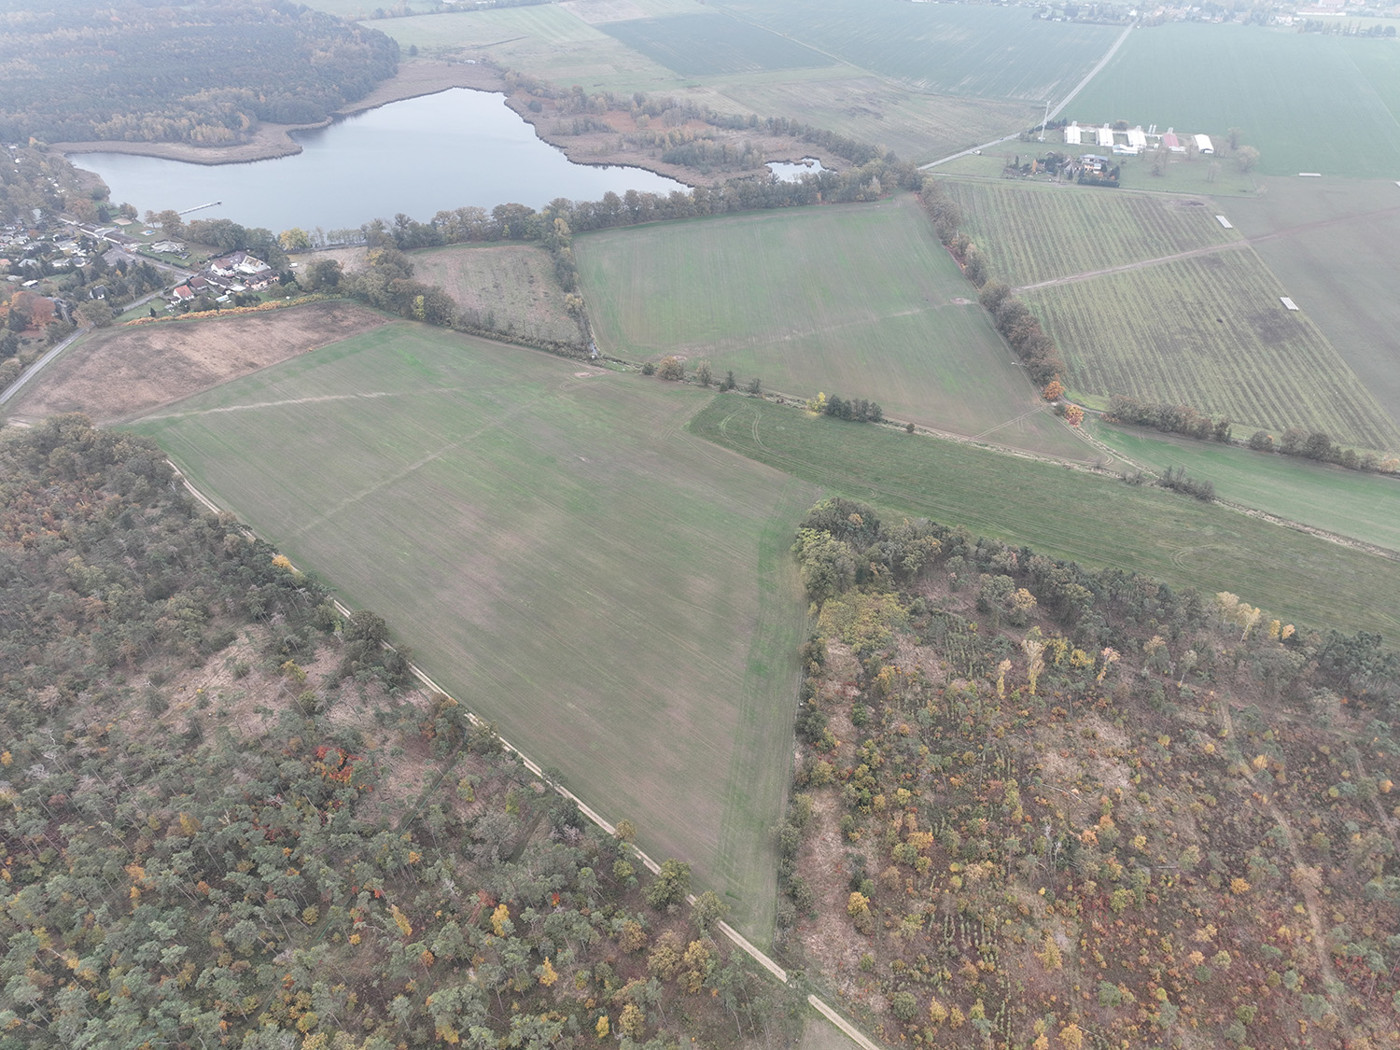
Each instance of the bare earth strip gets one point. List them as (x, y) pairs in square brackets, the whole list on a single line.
[(123, 372)]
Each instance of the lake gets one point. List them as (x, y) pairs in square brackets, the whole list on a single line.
[(420, 156)]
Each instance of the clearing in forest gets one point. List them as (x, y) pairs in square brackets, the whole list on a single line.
[(615, 594), (857, 300)]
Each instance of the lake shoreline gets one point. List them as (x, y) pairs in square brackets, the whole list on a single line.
[(270, 141)]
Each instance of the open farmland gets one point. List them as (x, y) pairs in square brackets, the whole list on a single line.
[(916, 125), (1097, 521), (1345, 502), (120, 372), (509, 288), (858, 300), (544, 40), (1031, 233), (615, 594), (1307, 102), (696, 45), (1210, 332), (952, 49), (1331, 242)]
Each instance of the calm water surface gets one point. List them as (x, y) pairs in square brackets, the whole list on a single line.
[(419, 157)]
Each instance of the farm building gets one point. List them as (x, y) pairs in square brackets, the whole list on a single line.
[(1172, 143), (1137, 138), (1203, 144), (1072, 135), (1105, 137)]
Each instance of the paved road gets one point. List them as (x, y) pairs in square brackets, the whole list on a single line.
[(58, 348), (1053, 113)]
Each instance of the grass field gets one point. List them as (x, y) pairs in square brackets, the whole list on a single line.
[(614, 593), (1307, 102), (1209, 332), (697, 45), (858, 300), (954, 49), (1032, 233), (1364, 507), (1096, 521), (506, 287), (916, 125), (544, 40), (1332, 243)]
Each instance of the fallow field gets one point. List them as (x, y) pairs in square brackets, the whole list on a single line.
[(857, 300), (615, 594), (1097, 521), (509, 288), (1332, 243), (1307, 102)]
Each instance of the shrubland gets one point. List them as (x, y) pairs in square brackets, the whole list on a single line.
[(1042, 807)]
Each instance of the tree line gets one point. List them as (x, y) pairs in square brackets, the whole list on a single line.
[(1013, 319)]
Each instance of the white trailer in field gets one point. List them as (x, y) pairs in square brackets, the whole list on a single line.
[(1203, 144)]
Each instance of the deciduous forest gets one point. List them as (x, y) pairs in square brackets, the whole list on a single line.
[(204, 74), (226, 819), (1037, 806)]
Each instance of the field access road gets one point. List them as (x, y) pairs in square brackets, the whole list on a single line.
[(33, 370), (1052, 114), (58, 348)]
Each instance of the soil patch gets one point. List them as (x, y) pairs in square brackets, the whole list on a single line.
[(126, 372)]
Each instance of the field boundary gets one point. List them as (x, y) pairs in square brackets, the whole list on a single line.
[(735, 937)]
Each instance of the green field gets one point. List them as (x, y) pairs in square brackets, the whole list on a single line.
[(1096, 521), (916, 125), (615, 594), (1307, 102), (1365, 507), (1031, 233), (544, 40), (1331, 242), (697, 45), (953, 49), (858, 300), (1210, 332)]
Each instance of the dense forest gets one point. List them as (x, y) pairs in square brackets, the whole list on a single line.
[(226, 819), (1041, 807), (203, 74)]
